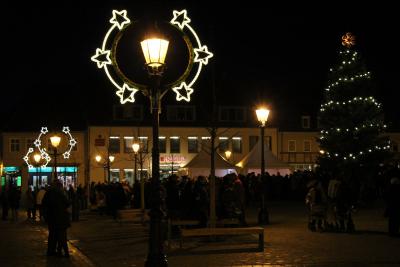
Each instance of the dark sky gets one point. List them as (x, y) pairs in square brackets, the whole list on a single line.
[(280, 54)]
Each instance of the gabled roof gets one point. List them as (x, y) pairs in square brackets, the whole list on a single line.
[(203, 160), (253, 159)]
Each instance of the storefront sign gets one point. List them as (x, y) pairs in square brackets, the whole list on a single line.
[(172, 158)]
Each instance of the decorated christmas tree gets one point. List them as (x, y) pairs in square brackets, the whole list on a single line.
[(351, 121)]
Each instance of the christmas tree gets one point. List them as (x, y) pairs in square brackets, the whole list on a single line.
[(351, 121)]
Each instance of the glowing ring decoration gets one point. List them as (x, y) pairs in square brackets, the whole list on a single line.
[(71, 143), (106, 55)]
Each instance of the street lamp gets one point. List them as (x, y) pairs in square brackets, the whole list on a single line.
[(106, 165), (135, 148), (262, 116), (155, 51), (228, 154), (55, 142), (37, 159)]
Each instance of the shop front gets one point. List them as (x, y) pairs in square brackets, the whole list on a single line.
[(11, 176), (41, 176)]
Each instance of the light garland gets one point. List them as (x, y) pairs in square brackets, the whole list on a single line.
[(104, 57), (348, 79), (356, 155), (355, 99)]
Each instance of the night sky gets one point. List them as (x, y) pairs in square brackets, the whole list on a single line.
[(280, 55)]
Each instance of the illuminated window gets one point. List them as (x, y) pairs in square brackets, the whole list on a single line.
[(162, 144), (237, 144), (223, 144), (114, 144), (175, 144), (144, 143), (205, 143), (128, 141), (192, 144)]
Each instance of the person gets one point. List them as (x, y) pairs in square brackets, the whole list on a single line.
[(316, 203), (39, 198), (30, 204), (55, 205), (4, 203), (14, 199), (392, 211)]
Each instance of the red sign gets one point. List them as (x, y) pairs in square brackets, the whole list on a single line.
[(172, 158)]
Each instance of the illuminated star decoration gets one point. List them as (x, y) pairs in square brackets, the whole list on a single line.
[(126, 94), (348, 40), (44, 130), (202, 55), (102, 58), (120, 19), (180, 18), (183, 92), (72, 142), (43, 155)]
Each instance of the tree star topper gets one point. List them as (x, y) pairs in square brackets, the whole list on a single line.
[(348, 40), (126, 88)]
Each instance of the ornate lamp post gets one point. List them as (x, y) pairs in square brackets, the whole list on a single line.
[(154, 50), (55, 142), (106, 165), (37, 158), (135, 148), (262, 116)]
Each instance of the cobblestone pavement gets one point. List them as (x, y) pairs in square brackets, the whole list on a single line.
[(100, 241)]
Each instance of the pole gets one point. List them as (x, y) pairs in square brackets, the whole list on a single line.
[(142, 203), (263, 216), (135, 170), (108, 170), (212, 181), (156, 256), (55, 164)]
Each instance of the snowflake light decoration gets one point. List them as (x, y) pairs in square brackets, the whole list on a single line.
[(348, 40), (126, 88)]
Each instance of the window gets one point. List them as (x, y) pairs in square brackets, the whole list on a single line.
[(14, 145), (128, 112), (143, 140), (192, 144), (305, 122), (252, 141), (237, 144), (307, 146), (206, 143), (162, 144), (237, 114), (181, 113), (30, 143), (114, 145), (223, 144), (128, 176), (175, 144), (128, 142), (114, 175), (292, 145)]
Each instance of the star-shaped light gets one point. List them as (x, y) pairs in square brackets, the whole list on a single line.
[(120, 19), (183, 92), (72, 142), (202, 55), (126, 94), (102, 58), (37, 143), (44, 130), (348, 40), (65, 129), (66, 155), (180, 18)]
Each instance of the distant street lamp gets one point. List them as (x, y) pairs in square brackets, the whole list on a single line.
[(135, 148), (262, 116), (106, 165), (55, 142), (228, 154)]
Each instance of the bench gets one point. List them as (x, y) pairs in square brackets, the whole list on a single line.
[(181, 224), (225, 231)]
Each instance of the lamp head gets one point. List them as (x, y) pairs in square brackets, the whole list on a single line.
[(37, 157), (228, 154), (135, 147), (55, 140), (154, 51), (262, 115), (98, 158), (111, 158)]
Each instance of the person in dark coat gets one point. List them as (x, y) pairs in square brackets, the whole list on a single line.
[(393, 207), (55, 205), (4, 203)]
